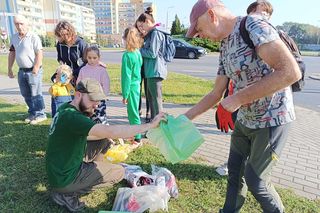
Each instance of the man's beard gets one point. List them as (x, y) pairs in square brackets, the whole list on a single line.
[(84, 110)]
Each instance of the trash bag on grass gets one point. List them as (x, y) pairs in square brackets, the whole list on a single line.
[(142, 198)]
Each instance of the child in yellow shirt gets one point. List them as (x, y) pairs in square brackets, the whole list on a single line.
[(62, 90)]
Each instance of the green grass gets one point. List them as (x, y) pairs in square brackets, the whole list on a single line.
[(177, 88), (24, 187), (310, 53)]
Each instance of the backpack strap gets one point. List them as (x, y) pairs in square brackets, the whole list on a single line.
[(289, 42), (245, 34)]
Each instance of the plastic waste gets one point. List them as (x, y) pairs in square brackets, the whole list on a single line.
[(118, 153), (177, 138), (141, 198), (169, 178), (135, 176)]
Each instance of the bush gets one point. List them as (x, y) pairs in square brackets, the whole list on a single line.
[(48, 41), (206, 43)]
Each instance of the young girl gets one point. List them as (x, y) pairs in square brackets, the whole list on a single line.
[(94, 69), (131, 77), (62, 90)]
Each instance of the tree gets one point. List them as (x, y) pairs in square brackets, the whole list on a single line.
[(301, 33), (297, 33), (176, 26)]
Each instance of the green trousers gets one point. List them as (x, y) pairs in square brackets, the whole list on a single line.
[(133, 106)]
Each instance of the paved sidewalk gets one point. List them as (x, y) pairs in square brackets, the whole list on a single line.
[(299, 165)]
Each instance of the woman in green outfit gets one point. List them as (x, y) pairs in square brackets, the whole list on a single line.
[(131, 76)]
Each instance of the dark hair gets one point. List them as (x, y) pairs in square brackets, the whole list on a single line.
[(93, 48), (266, 5), (149, 11), (147, 15)]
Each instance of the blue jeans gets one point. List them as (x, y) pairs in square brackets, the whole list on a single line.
[(56, 102), (31, 89)]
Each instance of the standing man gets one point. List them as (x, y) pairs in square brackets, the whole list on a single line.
[(262, 94), (75, 167), (26, 49)]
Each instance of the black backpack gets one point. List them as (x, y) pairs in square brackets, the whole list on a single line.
[(288, 41), (169, 49)]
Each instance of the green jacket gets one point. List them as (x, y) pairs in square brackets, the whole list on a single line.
[(154, 64), (130, 71)]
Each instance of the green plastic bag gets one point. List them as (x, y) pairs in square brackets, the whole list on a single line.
[(177, 138)]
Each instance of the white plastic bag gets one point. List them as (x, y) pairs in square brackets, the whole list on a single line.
[(141, 198), (170, 179), (136, 177)]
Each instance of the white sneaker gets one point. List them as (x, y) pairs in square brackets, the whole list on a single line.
[(38, 120), (223, 169), (29, 119)]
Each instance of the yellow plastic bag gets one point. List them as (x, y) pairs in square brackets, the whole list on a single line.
[(118, 153)]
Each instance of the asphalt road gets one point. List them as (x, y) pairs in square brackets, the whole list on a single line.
[(206, 67)]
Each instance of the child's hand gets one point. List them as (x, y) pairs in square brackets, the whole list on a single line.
[(125, 101), (102, 64)]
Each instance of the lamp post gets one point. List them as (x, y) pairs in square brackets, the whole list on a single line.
[(318, 34), (167, 27)]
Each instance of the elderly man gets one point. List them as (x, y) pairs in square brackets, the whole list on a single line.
[(262, 79), (26, 49), (75, 167)]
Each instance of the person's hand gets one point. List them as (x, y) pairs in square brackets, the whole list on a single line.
[(231, 103), (156, 120), (125, 101), (224, 119), (10, 73), (102, 64), (35, 71)]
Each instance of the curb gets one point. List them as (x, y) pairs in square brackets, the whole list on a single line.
[(315, 77)]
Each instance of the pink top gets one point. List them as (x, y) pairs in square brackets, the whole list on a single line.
[(96, 72)]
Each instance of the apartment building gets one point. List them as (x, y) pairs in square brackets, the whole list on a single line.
[(103, 13), (31, 9), (43, 15), (113, 16), (127, 12), (82, 18)]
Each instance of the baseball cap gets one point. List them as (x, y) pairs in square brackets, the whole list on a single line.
[(93, 88), (198, 10)]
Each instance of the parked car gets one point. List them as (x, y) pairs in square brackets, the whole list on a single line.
[(186, 50)]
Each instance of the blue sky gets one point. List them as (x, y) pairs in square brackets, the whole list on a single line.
[(306, 11)]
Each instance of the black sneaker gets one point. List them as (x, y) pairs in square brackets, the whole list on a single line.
[(137, 140)]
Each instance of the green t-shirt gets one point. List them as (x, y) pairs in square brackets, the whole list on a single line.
[(67, 144)]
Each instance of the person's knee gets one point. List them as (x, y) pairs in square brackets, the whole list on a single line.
[(118, 173)]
